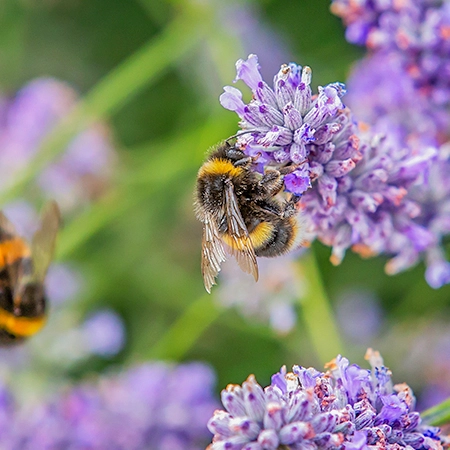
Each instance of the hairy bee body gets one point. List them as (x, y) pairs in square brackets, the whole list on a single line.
[(22, 272), (238, 208)]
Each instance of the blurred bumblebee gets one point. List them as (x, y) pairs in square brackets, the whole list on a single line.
[(238, 207), (22, 272)]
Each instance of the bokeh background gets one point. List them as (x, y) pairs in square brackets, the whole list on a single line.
[(110, 106)]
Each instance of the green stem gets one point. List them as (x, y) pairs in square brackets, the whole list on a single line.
[(113, 91), (317, 313), (186, 330), (437, 415)]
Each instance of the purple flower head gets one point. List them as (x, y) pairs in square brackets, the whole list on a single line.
[(153, 406), (346, 407), (354, 181), (104, 333), (370, 211), (287, 125), (416, 32), (403, 90)]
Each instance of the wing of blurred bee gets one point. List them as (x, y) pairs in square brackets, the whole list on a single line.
[(213, 254), (7, 233), (43, 243), (7, 229), (241, 245)]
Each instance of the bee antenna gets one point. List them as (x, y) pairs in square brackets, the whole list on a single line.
[(239, 134)]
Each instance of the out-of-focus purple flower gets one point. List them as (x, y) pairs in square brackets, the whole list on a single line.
[(153, 406), (382, 92), (104, 333), (347, 407), (416, 32), (359, 314), (272, 299), (79, 174), (63, 282)]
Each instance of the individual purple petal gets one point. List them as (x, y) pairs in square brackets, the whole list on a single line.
[(232, 99), (297, 182), (248, 72)]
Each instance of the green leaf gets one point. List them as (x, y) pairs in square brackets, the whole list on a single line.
[(437, 415)]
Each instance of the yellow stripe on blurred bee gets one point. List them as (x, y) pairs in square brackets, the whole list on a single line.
[(20, 326)]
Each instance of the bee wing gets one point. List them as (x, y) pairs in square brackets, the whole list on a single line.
[(15, 271), (213, 254), (43, 243), (7, 229), (243, 249)]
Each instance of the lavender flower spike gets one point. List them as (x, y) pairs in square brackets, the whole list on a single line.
[(345, 408), (153, 406), (286, 124), (354, 181)]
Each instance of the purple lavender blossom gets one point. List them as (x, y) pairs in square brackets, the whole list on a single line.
[(104, 333), (354, 183), (347, 407), (77, 176), (286, 124), (359, 314), (153, 406), (383, 94), (417, 32)]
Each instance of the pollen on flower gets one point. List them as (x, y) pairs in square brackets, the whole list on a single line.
[(363, 250), (347, 405)]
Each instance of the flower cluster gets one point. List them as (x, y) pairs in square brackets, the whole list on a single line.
[(402, 89), (288, 125), (354, 182), (81, 173), (153, 406), (417, 32), (347, 407)]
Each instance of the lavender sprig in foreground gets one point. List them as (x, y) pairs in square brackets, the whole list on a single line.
[(354, 184), (153, 406), (345, 408)]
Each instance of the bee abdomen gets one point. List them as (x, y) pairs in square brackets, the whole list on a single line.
[(281, 239)]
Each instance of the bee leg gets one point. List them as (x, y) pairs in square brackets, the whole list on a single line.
[(270, 184), (247, 161), (289, 169), (290, 206)]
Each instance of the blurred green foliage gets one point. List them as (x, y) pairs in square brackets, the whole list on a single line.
[(135, 63)]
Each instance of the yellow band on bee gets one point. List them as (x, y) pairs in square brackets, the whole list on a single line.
[(258, 236), (20, 326), (262, 232), (12, 250), (219, 166)]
